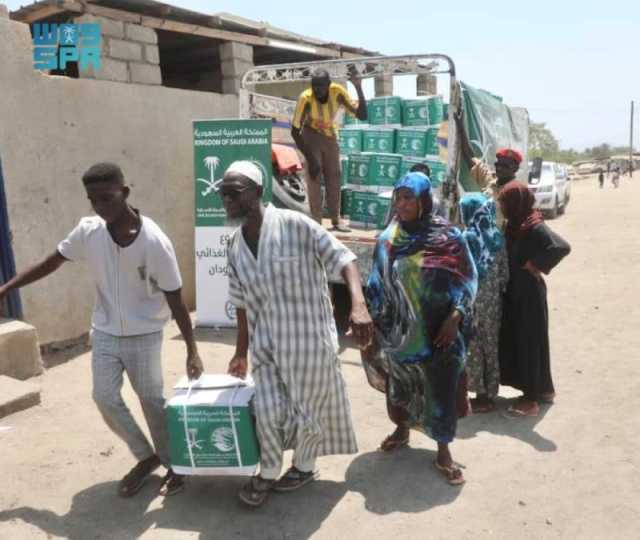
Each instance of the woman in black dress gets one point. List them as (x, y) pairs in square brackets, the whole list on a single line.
[(533, 250)]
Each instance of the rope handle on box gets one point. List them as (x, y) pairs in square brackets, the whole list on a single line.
[(186, 425)]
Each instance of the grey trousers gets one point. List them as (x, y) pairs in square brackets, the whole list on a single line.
[(140, 357)]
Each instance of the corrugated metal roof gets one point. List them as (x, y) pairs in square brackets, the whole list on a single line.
[(223, 21)]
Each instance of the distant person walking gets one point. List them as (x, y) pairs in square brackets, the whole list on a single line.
[(615, 177), (601, 178)]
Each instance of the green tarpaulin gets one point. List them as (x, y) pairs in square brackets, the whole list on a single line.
[(490, 124)]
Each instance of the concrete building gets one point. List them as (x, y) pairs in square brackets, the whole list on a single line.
[(162, 67)]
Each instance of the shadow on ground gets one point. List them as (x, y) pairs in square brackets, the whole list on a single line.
[(499, 422), (401, 481), (208, 507)]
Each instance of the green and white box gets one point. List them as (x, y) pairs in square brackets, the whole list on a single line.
[(211, 428), (344, 171), (368, 210), (407, 163), (378, 140), (432, 146), (350, 140), (438, 172), (345, 202), (373, 172), (422, 112), (411, 141), (384, 110)]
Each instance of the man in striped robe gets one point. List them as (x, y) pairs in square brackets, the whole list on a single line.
[(278, 266)]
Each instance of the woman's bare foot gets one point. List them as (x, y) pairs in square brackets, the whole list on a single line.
[(445, 464), (398, 439)]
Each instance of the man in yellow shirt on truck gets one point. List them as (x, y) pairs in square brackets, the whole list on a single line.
[(315, 132)]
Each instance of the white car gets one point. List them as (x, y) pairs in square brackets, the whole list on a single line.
[(552, 190)]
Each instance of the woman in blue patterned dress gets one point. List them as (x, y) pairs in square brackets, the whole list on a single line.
[(487, 245), (420, 295)]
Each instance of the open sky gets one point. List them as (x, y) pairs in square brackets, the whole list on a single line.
[(573, 65)]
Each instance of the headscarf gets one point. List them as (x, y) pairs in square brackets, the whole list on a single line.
[(518, 201), (482, 234), (420, 185), (418, 274)]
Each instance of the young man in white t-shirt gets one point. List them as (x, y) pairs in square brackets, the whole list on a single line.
[(138, 288)]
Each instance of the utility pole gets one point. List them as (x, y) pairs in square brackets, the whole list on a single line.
[(631, 143)]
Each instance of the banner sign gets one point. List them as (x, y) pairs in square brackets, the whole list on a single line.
[(217, 144)]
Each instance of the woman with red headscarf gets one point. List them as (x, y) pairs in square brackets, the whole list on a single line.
[(533, 250)]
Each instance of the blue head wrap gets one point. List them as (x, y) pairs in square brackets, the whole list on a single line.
[(417, 182)]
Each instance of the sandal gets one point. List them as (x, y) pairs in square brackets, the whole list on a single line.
[(172, 483), (394, 442), (339, 227), (482, 406), (453, 473), (513, 410), (136, 477), (294, 479), (255, 491)]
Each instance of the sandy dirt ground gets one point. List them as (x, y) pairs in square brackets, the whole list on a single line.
[(573, 472)]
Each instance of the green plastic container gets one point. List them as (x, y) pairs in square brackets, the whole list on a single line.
[(432, 149), (422, 112), (436, 109), (345, 202), (344, 171), (411, 141), (438, 169), (407, 163), (368, 210), (350, 140), (378, 140), (373, 172), (415, 112), (384, 110), (211, 428), (438, 172)]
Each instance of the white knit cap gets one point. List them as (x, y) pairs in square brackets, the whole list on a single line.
[(246, 168)]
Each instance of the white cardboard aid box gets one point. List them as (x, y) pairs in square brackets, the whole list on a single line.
[(211, 428)]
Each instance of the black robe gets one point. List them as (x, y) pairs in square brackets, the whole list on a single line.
[(524, 335)]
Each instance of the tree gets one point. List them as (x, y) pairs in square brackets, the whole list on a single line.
[(542, 142)]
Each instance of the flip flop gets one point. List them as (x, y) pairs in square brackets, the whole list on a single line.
[(452, 473), (255, 491), (392, 443), (513, 412)]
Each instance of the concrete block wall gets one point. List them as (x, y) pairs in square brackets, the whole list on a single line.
[(426, 85), (383, 85), (129, 52), (74, 123), (236, 59)]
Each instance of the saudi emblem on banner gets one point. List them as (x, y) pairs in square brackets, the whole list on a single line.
[(217, 144)]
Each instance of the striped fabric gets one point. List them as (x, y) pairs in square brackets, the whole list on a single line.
[(301, 397), (321, 116)]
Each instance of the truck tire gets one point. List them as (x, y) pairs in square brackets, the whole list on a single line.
[(290, 199), (553, 213)]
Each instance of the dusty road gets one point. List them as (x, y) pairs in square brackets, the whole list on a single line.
[(574, 472)]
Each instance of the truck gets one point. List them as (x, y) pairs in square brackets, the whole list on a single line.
[(271, 91)]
